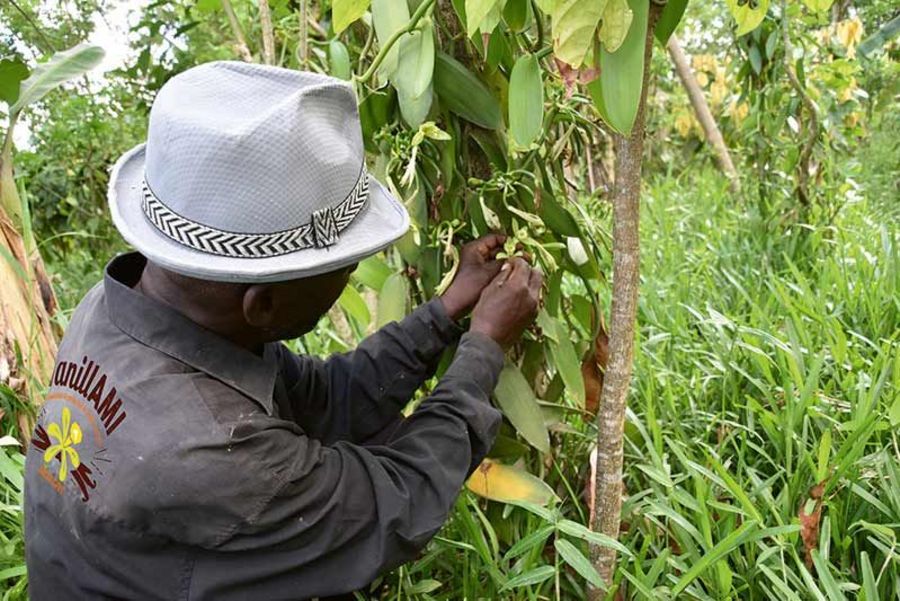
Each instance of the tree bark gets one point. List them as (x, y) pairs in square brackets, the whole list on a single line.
[(626, 258), (704, 115)]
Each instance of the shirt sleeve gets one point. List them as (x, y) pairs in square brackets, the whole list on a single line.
[(351, 396), (342, 514)]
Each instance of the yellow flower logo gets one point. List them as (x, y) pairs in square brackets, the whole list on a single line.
[(68, 436)]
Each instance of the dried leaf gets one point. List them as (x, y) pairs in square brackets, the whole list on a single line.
[(508, 484), (809, 515)]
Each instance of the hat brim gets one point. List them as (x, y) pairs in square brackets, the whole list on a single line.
[(380, 223)]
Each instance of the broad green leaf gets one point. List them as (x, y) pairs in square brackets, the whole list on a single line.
[(517, 14), (617, 92), (617, 18), (598, 538), (12, 73), (508, 484), (416, 65), (573, 24), (414, 109), (520, 406), (557, 217), (463, 93), (747, 17), (389, 16), (818, 5), (392, 300), (669, 20), (372, 272), (352, 302), (535, 576), (483, 15), (529, 542), (345, 12), (61, 67), (339, 60), (526, 101), (562, 351), (826, 577), (576, 559)]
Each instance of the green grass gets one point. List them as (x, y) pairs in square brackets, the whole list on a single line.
[(768, 361)]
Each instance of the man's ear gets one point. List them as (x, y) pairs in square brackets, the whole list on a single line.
[(259, 305)]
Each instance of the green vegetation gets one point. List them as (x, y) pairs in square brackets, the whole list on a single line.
[(761, 458)]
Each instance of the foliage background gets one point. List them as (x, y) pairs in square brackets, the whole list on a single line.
[(768, 354)]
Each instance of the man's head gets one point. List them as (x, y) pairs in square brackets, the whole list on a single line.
[(248, 314)]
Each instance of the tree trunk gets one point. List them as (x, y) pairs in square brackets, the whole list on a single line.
[(626, 257), (701, 109), (27, 337)]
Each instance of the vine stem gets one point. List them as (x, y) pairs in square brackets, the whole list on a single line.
[(812, 109), (383, 51)]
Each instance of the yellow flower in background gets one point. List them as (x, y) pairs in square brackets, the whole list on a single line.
[(684, 123), (849, 34), (717, 92), (702, 79), (67, 436), (739, 111)]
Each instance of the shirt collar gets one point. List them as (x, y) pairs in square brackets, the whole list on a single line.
[(161, 327)]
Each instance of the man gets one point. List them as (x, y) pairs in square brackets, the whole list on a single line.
[(182, 453)]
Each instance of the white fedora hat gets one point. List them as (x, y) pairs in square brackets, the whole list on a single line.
[(252, 174)]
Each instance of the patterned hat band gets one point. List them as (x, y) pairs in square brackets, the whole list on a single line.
[(320, 232)]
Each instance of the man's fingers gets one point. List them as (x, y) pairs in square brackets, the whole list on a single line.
[(535, 280)]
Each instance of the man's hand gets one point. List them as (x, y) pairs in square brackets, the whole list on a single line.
[(509, 303), (477, 267)]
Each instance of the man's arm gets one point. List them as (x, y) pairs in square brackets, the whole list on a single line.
[(352, 396), (340, 515)]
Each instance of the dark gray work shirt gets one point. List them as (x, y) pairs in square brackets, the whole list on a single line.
[(168, 463)]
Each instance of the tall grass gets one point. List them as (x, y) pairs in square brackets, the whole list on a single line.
[(768, 364)]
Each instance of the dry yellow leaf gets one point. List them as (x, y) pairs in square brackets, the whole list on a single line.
[(508, 484)]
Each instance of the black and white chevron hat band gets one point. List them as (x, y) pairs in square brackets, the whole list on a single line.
[(320, 232)]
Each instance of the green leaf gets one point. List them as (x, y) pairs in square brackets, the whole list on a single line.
[(414, 109), (526, 101), (617, 20), (372, 272), (392, 300), (598, 538), (557, 217), (345, 12), (564, 356), (617, 92), (389, 17), (669, 20), (353, 303), (870, 588), (61, 67), (529, 542), (575, 558), (339, 60), (535, 576), (516, 14), (416, 66), (826, 577), (479, 10), (520, 406), (464, 94), (508, 484), (747, 17), (12, 73), (720, 550), (818, 5), (573, 24)]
